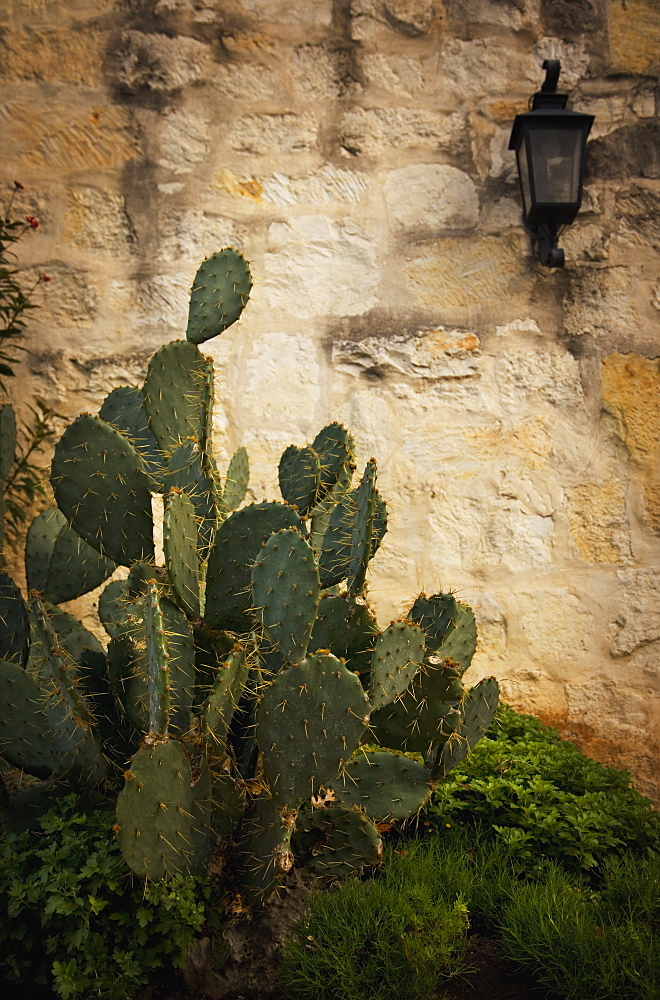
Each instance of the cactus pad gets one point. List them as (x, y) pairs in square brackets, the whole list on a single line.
[(477, 714), (24, 740), (222, 702), (14, 622), (385, 785), (397, 657), (436, 615), (347, 627), (265, 851), (173, 391), (219, 293), (180, 548), (236, 481), (300, 477), (59, 563), (124, 409), (342, 842)]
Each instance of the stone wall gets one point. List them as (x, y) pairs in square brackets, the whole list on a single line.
[(356, 150)]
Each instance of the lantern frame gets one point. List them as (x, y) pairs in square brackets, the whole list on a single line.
[(550, 143)]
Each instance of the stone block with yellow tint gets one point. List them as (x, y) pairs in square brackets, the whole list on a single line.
[(631, 391), (634, 36), (56, 56), (97, 220), (597, 517)]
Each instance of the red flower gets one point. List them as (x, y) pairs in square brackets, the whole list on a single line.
[(44, 277), (34, 223), (17, 184)]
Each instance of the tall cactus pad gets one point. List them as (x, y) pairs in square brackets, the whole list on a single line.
[(222, 702), (155, 811), (236, 481), (310, 720), (436, 615), (397, 657), (345, 842), (14, 622), (158, 674), (300, 477), (336, 450), (461, 640), (237, 545), (219, 294), (180, 548), (361, 549), (101, 487), (112, 604), (24, 739), (286, 592), (477, 714), (385, 785), (186, 471), (59, 563), (124, 409), (173, 391), (265, 852)]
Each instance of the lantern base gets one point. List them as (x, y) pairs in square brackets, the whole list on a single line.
[(545, 236)]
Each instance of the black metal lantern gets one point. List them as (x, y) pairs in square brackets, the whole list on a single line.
[(550, 144)]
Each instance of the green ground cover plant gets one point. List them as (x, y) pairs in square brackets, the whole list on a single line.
[(76, 921)]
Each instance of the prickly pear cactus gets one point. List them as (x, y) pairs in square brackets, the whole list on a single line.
[(234, 709)]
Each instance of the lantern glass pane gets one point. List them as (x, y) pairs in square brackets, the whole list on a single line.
[(556, 159)]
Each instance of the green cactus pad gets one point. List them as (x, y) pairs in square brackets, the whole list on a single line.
[(219, 707), (285, 591), (436, 615), (343, 841), (180, 547), (356, 527), (264, 853), (385, 785), (58, 562), (128, 665), (124, 409), (185, 471), (236, 482), (211, 648), (336, 450), (158, 672), (112, 604), (477, 714), (101, 487), (309, 721), (173, 391), (397, 656), (237, 545), (300, 477), (219, 293), (58, 664), (228, 805), (461, 640), (347, 627), (155, 810), (361, 547), (321, 515), (14, 622), (424, 717), (24, 739)]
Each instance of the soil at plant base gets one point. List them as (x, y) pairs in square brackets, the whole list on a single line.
[(492, 978)]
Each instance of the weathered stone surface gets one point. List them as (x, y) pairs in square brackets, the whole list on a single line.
[(515, 14), (300, 12), (317, 187), (634, 36), (321, 72), (635, 615), (430, 354), (431, 196), (556, 628), (335, 259), (395, 73), (571, 18), (97, 220), (629, 151), (184, 140), (631, 390), (193, 234), (371, 131), (244, 81), (70, 299), (608, 305), (599, 526), (409, 17), (638, 211), (531, 689), (147, 61), (552, 377), (482, 67), (60, 55), (279, 133)]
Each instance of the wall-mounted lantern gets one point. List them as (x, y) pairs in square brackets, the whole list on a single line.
[(551, 145)]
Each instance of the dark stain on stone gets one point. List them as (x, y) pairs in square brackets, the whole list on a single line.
[(629, 151), (572, 18)]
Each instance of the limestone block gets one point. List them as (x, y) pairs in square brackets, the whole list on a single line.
[(371, 131), (608, 304), (322, 73), (279, 389), (571, 18), (555, 627), (629, 151), (635, 615), (631, 389), (161, 63), (409, 17), (431, 196), (97, 220), (163, 299), (244, 81), (597, 517), (634, 36), (184, 140), (613, 711), (515, 14), (50, 56), (638, 212), (316, 266), (455, 274), (609, 112), (315, 187), (70, 301), (300, 12), (551, 376), (200, 11), (482, 67), (430, 354), (574, 57), (393, 72), (192, 234), (530, 689), (584, 242), (67, 136), (278, 133)]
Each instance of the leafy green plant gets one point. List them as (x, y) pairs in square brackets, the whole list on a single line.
[(544, 798), (582, 944), (400, 934), (77, 921)]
